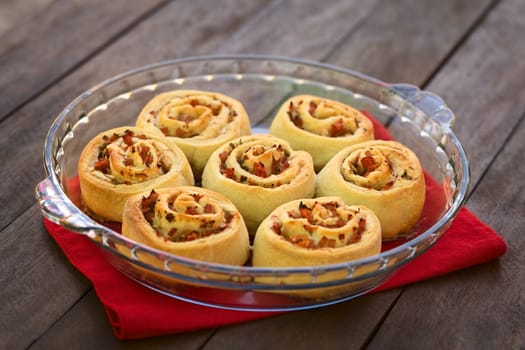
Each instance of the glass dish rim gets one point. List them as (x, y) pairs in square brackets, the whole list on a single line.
[(95, 229)]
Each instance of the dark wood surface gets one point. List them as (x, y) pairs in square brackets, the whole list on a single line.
[(470, 52)]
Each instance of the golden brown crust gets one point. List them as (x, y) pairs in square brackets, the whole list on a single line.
[(317, 231), (385, 176), (259, 173), (197, 121), (190, 222), (320, 126), (121, 162)]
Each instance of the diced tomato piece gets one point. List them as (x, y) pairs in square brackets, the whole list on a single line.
[(208, 208), (368, 163), (259, 170), (102, 165), (298, 122), (191, 211), (223, 156), (228, 172), (301, 240), (128, 138), (312, 107), (306, 213), (337, 128), (276, 227)]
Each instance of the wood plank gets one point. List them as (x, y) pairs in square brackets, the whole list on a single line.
[(31, 58), (297, 28), (403, 46), (88, 319), (465, 309), (14, 12), (38, 283), (341, 326)]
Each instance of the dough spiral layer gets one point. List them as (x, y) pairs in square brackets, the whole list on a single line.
[(316, 232), (197, 121), (320, 126), (125, 161), (258, 173), (385, 176), (188, 221)]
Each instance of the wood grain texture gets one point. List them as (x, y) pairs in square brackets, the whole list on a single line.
[(332, 327), (38, 283), (14, 12), (407, 46), (86, 327), (30, 57), (297, 28)]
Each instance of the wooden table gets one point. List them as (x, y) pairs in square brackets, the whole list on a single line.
[(470, 52)]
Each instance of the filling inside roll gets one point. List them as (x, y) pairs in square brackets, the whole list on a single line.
[(184, 217), (379, 169), (320, 117), (321, 224), (258, 160), (130, 158), (194, 116)]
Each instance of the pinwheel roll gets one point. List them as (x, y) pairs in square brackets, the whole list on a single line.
[(320, 126), (317, 231), (197, 121), (121, 162), (259, 173), (385, 176), (190, 222)]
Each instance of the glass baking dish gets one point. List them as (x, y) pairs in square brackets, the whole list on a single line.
[(416, 118)]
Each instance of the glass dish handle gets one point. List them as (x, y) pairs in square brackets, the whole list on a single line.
[(431, 104), (61, 211)]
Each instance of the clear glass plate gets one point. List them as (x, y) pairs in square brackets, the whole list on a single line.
[(416, 118)]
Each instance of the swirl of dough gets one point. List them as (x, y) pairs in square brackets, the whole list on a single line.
[(314, 232), (188, 216), (321, 223), (385, 176), (188, 221), (124, 161), (320, 126), (197, 121), (258, 173)]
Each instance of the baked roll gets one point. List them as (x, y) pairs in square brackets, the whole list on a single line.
[(190, 222), (320, 126), (122, 162), (385, 176), (197, 121), (259, 173), (314, 232), (317, 231)]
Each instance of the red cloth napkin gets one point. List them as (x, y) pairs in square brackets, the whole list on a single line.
[(135, 311)]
